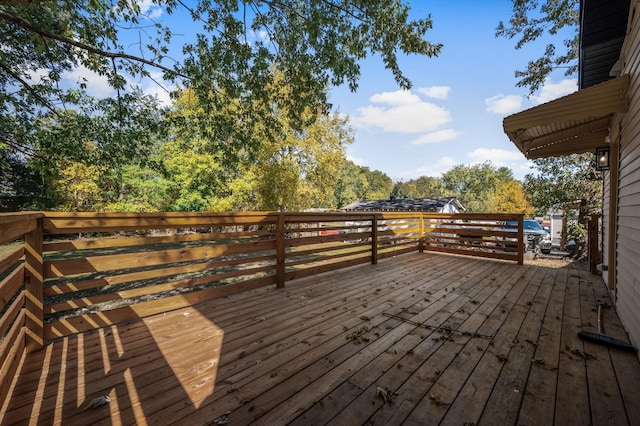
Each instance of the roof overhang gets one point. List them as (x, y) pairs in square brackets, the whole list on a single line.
[(573, 124)]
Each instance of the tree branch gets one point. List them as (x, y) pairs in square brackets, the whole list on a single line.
[(28, 25), (45, 102), (20, 2)]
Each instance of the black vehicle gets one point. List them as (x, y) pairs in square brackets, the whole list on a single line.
[(536, 237)]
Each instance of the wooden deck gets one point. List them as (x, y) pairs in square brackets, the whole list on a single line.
[(418, 339)]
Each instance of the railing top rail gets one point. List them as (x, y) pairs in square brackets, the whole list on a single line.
[(7, 218), (52, 215)]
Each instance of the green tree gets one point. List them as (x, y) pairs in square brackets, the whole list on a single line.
[(352, 184), (428, 186), (78, 188), (567, 183), (476, 185), (422, 187), (314, 44), (530, 20), (21, 187), (360, 183), (379, 184), (404, 190), (300, 170), (92, 141), (195, 173), (510, 198), (142, 189)]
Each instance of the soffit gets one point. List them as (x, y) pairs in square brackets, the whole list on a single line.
[(575, 123)]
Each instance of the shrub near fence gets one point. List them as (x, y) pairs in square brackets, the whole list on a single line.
[(63, 273)]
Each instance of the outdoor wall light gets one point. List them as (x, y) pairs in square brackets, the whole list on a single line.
[(602, 159)]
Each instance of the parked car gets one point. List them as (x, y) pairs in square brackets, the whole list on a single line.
[(536, 237)]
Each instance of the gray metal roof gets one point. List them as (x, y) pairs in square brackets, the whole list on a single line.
[(431, 204)]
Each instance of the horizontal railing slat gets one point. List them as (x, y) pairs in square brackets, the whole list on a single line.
[(150, 274), (88, 322), (11, 258), (11, 313), (151, 289), (139, 241), (10, 285), (14, 227), (325, 258), (58, 268), (13, 336), (102, 222)]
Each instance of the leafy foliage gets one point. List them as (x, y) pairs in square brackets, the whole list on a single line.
[(566, 183), (476, 185), (360, 183), (236, 47), (480, 188), (510, 198), (78, 187), (142, 189), (531, 19), (422, 187), (300, 170), (20, 185)]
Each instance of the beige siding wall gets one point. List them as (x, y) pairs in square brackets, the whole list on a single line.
[(605, 224), (628, 232)]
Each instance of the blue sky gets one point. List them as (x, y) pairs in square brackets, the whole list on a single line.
[(452, 115)]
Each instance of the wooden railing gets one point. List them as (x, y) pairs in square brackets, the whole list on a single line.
[(63, 273), (20, 291)]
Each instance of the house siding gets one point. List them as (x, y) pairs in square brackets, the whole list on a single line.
[(628, 211), (606, 216)]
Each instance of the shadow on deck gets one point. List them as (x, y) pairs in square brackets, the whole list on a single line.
[(417, 339)]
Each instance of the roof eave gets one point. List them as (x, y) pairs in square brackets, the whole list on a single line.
[(572, 124)]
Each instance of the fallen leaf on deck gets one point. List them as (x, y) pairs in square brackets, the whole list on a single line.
[(99, 401)]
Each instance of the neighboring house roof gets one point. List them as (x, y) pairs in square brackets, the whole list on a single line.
[(431, 204)]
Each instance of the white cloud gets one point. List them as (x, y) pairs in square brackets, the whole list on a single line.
[(551, 91), (357, 161), (262, 35), (442, 165), (436, 92), (436, 137), (148, 8), (498, 157), (97, 85), (501, 104), (521, 169), (401, 112), (150, 87), (400, 97), (155, 13), (37, 75), (162, 94)]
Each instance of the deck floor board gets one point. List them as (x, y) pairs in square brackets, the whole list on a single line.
[(423, 338)]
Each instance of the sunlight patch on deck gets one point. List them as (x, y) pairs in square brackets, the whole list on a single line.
[(193, 356)]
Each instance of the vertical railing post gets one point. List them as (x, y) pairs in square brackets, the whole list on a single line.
[(421, 230), (521, 241), (33, 278), (280, 252), (374, 239)]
